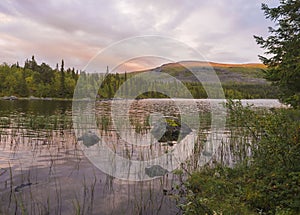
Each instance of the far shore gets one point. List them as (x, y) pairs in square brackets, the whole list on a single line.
[(11, 98), (255, 102)]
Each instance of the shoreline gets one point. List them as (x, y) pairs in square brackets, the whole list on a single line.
[(255, 102)]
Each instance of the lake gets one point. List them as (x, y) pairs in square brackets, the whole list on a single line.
[(46, 169)]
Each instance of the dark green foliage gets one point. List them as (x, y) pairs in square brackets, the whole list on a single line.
[(36, 80), (44, 81), (283, 47), (250, 91), (62, 80), (231, 90), (46, 73), (268, 182), (216, 191), (22, 85), (31, 64)]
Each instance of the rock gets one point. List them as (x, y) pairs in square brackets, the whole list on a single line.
[(33, 98), (89, 139), (165, 192), (2, 171), (217, 175), (10, 98), (47, 99), (20, 187), (171, 143), (170, 129), (155, 170), (206, 153), (13, 98)]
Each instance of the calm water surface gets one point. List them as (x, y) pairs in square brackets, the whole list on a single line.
[(43, 169)]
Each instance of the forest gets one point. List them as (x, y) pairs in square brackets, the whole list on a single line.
[(42, 81), (37, 80)]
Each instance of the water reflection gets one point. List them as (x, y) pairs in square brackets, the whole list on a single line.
[(34, 107), (44, 171)]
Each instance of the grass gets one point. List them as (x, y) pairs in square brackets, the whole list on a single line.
[(266, 181), (217, 188), (28, 132), (215, 191)]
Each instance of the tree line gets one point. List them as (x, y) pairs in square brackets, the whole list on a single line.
[(40, 80), (37, 80)]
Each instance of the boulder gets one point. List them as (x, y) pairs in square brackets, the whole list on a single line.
[(155, 171), (89, 139), (20, 187), (169, 129), (10, 98)]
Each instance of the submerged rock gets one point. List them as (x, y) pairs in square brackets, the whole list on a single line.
[(89, 139), (170, 129), (207, 153), (155, 170), (20, 187), (2, 171)]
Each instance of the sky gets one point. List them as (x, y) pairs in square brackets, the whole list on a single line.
[(75, 30)]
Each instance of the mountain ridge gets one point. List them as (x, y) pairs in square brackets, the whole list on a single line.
[(216, 64), (204, 64)]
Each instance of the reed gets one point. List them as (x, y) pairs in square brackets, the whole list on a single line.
[(50, 140)]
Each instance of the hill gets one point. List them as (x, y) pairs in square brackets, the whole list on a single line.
[(227, 73), (238, 80)]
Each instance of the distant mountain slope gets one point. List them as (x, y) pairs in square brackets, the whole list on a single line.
[(239, 81), (227, 73)]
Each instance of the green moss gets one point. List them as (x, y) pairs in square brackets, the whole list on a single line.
[(172, 122)]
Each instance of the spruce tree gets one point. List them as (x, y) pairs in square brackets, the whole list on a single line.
[(283, 49), (62, 81)]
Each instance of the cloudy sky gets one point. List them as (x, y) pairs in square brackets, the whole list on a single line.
[(76, 30)]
